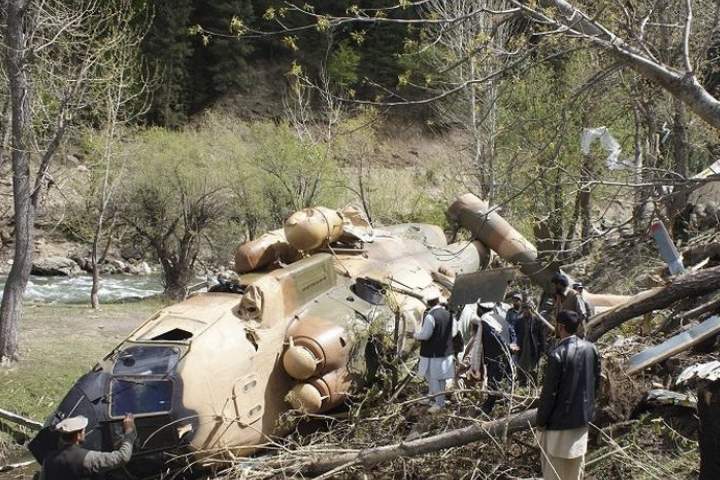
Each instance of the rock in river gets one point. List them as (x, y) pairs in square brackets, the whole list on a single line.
[(55, 266)]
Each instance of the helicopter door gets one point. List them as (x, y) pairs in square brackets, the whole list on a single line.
[(248, 400)]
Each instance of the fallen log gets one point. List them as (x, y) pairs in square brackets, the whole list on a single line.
[(453, 438), (713, 304), (698, 252), (20, 420), (689, 285)]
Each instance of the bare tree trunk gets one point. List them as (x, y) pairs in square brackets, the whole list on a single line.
[(177, 275), (584, 201), (556, 218), (640, 197), (681, 150), (95, 288), (176, 282), (11, 308)]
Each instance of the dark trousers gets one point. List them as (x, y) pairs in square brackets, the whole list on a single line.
[(496, 373)]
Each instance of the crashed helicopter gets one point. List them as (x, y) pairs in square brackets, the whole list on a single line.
[(215, 372)]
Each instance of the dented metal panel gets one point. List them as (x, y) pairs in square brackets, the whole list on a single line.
[(490, 286)]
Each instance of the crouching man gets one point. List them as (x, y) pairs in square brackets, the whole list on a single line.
[(437, 361), (73, 462), (567, 401)]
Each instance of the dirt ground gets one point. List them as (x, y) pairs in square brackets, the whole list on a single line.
[(58, 344)]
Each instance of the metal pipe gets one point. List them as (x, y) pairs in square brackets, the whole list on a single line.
[(496, 233)]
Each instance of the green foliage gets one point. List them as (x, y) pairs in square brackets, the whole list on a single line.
[(175, 191), (101, 178), (541, 118), (343, 65), (200, 192), (294, 174)]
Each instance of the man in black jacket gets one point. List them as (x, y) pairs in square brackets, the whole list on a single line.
[(567, 401)]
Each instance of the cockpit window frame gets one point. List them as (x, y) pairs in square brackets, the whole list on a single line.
[(141, 379), (167, 344)]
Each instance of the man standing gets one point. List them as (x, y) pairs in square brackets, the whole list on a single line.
[(437, 361), (567, 299), (567, 401), (513, 318), (589, 308), (530, 333), (514, 313), (496, 337), (73, 462)]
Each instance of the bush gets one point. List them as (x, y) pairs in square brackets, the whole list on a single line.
[(176, 190), (194, 195)]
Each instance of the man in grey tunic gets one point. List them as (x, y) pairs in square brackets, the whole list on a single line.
[(73, 462), (437, 361)]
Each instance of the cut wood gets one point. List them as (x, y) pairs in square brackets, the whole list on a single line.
[(688, 285), (20, 420), (453, 438)]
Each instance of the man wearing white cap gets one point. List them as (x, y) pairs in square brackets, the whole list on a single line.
[(73, 462), (437, 361)]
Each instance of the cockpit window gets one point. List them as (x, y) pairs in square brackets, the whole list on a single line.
[(146, 360), (139, 396)]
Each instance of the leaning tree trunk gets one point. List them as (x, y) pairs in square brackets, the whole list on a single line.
[(24, 215), (689, 285)]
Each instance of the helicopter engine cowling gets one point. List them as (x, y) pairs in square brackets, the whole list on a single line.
[(315, 346), (312, 228), (263, 251), (321, 394)]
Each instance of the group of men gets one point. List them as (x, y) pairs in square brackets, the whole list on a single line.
[(500, 348)]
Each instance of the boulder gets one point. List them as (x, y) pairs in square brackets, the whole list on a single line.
[(131, 252), (55, 267), (140, 268)]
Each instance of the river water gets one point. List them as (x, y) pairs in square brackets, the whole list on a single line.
[(113, 288)]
